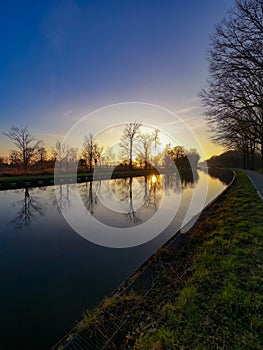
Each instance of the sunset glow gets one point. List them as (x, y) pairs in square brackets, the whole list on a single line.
[(75, 57)]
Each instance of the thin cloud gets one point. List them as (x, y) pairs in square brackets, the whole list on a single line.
[(188, 109)]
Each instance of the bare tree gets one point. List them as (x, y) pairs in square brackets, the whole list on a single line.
[(91, 151), (234, 96), (129, 134), (146, 142), (98, 151), (144, 148), (70, 156), (109, 156), (42, 154), (27, 145), (59, 152)]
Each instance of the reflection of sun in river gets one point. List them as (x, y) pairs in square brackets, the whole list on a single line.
[(153, 179)]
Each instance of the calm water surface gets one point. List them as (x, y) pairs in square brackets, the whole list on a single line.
[(49, 274)]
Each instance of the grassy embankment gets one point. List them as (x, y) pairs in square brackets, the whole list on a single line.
[(209, 293)]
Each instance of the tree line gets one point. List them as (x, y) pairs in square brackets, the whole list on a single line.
[(137, 150), (234, 95)]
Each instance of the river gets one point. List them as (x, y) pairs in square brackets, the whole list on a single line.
[(49, 274)]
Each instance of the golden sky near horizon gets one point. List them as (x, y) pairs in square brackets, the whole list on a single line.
[(197, 125)]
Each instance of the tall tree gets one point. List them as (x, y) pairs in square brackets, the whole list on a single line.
[(146, 143), (70, 156), (234, 96), (26, 143), (129, 133), (42, 154), (59, 152), (91, 151), (98, 151), (109, 156), (175, 153)]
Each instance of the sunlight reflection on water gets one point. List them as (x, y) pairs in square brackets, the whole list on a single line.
[(49, 270)]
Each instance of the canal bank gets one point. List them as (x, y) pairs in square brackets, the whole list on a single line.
[(10, 182), (64, 273), (203, 288)]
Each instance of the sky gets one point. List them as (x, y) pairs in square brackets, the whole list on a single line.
[(62, 59)]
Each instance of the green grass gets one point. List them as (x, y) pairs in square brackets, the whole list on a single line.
[(24, 178), (209, 293), (103, 312), (220, 304)]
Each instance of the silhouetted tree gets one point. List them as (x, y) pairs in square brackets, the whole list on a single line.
[(27, 145), (175, 153), (70, 156), (42, 154), (90, 150), (234, 96), (15, 159), (144, 148), (146, 142), (59, 152), (98, 150), (129, 134)]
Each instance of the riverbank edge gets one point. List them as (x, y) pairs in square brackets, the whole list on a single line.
[(128, 296), (12, 182), (218, 303)]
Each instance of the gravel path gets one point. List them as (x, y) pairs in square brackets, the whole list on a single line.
[(257, 179)]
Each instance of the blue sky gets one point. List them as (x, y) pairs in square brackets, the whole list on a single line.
[(60, 60)]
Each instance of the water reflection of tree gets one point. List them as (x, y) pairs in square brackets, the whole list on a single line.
[(148, 191), (225, 176), (171, 181), (88, 193), (153, 191), (62, 200), (28, 209), (132, 215), (188, 178), (124, 190), (180, 181)]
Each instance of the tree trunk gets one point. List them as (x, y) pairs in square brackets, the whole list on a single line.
[(130, 162), (247, 159), (252, 154), (25, 160), (90, 162), (252, 163), (244, 160)]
